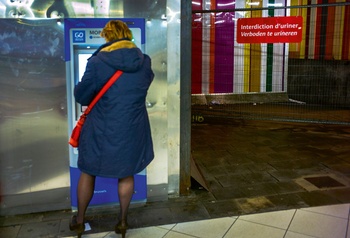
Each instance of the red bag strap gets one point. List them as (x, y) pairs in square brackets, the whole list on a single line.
[(111, 81)]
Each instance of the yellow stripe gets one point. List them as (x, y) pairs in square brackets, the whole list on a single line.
[(312, 30), (294, 47), (338, 31), (255, 59), (246, 55), (303, 41), (255, 68)]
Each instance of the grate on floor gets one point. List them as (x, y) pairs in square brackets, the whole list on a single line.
[(324, 182)]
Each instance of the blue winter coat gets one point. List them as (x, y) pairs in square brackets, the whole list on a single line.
[(115, 140)]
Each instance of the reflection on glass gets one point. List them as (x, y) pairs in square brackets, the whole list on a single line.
[(82, 61)]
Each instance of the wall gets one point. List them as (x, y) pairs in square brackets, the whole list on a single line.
[(33, 116), (33, 126), (319, 82)]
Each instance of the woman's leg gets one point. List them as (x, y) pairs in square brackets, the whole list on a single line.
[(86, 186), (125, 192)]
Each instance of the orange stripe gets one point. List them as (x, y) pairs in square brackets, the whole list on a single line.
[(294, 48), (318, 26)]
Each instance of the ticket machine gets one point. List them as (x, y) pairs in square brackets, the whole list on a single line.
[(82, 38)]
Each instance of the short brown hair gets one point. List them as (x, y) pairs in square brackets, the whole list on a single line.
[(115, 30)]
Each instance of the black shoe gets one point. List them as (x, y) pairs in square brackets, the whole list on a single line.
[(121, 228), (79, 228)]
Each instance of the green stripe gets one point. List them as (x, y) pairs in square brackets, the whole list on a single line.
[(269, 67), (269, 58)]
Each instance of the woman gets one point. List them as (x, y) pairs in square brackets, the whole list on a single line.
[(115, 141)]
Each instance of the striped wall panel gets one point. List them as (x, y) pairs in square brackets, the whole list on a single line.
[(326, 33), (221, 65)]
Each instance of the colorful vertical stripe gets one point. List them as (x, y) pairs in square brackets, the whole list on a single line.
[(246, 56), (221, 65), (224, 34), (327, 31), (346, 36), (213, 45), (197, 40), (269, 60), (255, 57), (338, 32), (297, 50)]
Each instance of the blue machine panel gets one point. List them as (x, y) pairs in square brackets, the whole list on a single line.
[(82, 38)]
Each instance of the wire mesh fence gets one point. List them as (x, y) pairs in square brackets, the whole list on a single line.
[(294, 67)]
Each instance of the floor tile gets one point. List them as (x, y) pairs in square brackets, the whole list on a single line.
[(167, 227), (239, 177), (280, 219), (108, 234), (42, 229), (101, 235), (317, 198), (318, 225), (291, 234), (342, 195), (287, 201), (245, 229), (111, 235), (224, 208), (213, 228), (173, 234), (191, 212), (341, 210), (254, 205), (156, 232), (9, 231)]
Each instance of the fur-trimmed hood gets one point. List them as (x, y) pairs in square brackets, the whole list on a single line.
[(123, 55)]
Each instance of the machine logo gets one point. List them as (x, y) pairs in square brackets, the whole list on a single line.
[(79, 36)]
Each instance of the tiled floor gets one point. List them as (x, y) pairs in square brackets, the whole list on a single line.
[(325, 221), (258, 175)]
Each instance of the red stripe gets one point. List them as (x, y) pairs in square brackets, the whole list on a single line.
[(197, 29), (330, 32), (317, 44), (346, 34), (307, 32), (212, 53)]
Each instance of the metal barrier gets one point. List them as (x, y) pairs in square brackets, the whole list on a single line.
[(306, 81)]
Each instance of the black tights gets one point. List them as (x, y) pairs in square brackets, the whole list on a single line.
[(86, 186)]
